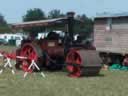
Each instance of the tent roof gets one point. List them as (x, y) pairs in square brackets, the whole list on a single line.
[(39, 23), (112, 15)]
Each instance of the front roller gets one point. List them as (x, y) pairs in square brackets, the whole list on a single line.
[(83, 63)]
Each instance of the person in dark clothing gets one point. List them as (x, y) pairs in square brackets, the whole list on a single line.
[(53, 36), (67, 44)]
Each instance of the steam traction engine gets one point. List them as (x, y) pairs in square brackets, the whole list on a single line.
[(49, 53)]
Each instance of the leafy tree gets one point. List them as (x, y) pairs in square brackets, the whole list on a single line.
[(86, 27), (2, 20), (55, 13), (88, 23), (4, 27), (32, 15)]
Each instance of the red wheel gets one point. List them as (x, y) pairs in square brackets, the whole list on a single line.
[(32, 52), (73, 61)]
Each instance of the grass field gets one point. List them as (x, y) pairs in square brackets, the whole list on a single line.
[(108, 83)]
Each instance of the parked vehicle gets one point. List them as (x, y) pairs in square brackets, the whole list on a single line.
[(17, 38), (3, 42)]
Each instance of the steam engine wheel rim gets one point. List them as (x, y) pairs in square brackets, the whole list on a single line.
[(32, 52)]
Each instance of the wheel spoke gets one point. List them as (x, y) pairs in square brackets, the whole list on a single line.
[(29, 51), (32, 52)]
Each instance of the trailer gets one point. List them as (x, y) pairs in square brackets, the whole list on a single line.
[(111, 37)]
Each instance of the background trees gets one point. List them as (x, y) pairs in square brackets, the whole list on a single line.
[(85, 28), (32, 15), (4, 27), (55, 13), (2, 20)]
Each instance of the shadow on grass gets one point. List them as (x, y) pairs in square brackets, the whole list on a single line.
[(99, 75)]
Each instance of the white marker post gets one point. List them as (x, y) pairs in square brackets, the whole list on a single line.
[(33, 64), (7, 63)]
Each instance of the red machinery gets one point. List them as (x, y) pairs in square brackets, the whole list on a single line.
[(49, 53)]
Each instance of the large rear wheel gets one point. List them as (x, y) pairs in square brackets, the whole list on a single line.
[(32, 52)]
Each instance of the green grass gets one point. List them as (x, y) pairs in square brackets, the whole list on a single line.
[(108, 83), (58, 84), (7, 48)]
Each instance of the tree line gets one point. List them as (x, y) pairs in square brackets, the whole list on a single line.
[(85, 28)]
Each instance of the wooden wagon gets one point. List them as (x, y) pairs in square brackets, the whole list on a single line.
[(111, 37)]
